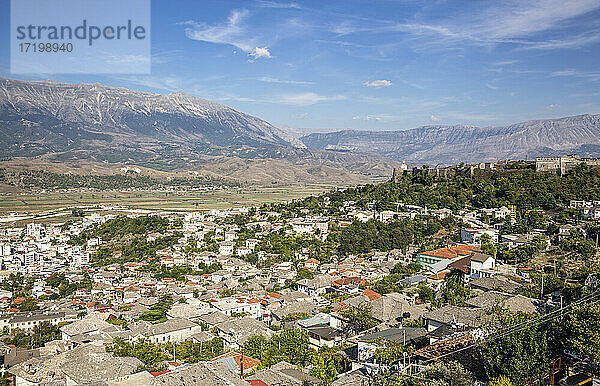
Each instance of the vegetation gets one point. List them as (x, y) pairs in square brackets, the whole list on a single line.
[(37, 337)]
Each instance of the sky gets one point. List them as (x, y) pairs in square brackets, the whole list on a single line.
[(376, 64)]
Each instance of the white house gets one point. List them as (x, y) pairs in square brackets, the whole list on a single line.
[(473, 236), (226, 248), (482, 264)]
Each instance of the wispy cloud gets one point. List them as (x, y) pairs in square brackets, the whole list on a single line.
[(378, 118), (378, 83), (509, 22), (592, 76), (231, 32), (309, 98), (277, 5), (268, 79)]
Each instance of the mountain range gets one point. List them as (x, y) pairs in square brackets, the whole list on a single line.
[(47, 121), (454, 144), (61, 122)]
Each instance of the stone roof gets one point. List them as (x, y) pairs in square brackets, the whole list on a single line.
[(240, 330), (295, 307), (488, 299), (83, 365), (203, 373), (86, 325), (492, 283), (392, 306), (358, 377), (170, 325), (284, 373), (470, 317), (214, 318)]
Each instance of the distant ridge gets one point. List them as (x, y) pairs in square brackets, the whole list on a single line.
[(454, 144)]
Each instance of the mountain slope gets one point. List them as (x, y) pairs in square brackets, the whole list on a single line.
[(59, 122), (42, 117), (454, 144)]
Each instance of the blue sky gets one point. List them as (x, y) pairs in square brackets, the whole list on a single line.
[(377, 64)]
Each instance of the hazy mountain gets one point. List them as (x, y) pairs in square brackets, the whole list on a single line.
[(453, 144), (91, 122)]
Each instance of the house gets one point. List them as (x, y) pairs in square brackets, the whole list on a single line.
[(237, 362), (482, 265), (441, 254), (397, 336), (592, 213), (494, 283), (321, 336), (311, 264), (301, 307), (226, 248), (171, 330), (394, 307), (236, 332), (316, 286), (473, 236), (28, 320), (90, 325), (233, 306), (515, 240)]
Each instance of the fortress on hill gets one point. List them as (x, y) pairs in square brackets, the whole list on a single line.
[(560, 164)]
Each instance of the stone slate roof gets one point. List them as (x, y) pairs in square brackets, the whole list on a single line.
[(203, 373), (170, 325), (488, 299), (470, 317), (86, 325), (284, 373), (214, 318), (84, 364), (301, 306), (493, 283), (240, 330)]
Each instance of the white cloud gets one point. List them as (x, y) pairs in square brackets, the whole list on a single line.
[(553, 106), (491, 86), (378, 83), (309, 98), (231, 32), (435, 118), (260, 52)]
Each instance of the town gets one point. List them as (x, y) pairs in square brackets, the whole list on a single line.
[(484, 277)]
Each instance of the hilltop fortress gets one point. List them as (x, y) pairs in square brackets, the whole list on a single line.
[(563, 163), (560, 164)]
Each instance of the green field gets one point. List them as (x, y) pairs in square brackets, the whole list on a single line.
[(53, 202)]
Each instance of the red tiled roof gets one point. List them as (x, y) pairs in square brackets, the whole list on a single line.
[(453, 251), (372, 295), (157, 373), (257, 382)]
